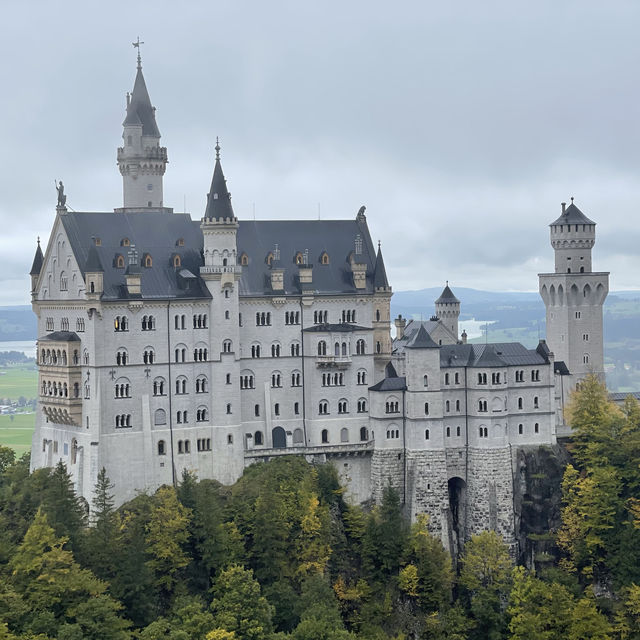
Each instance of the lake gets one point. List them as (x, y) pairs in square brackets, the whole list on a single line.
[(28, 347)]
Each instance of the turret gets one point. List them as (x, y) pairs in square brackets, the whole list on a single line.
[(381, 315), (572, 237), (36, 267), (142, 161), (94, 275), (448, 310)]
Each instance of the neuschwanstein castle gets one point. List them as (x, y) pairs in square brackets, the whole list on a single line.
[(168, 343)]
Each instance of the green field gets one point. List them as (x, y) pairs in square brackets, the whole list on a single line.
[(18, 380), (17, 433)]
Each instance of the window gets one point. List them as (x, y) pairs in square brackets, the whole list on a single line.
[(392, 406), (121, 323), (299, 258), (536, 428), (362, 405), (457, 405), (275, 350), (80, 325), (276, 409), (121, 357), (202, 384), (160, 417), (325, 436), (177, 262), (364, 434), (200, 321), (458, 431), (162, 450), (227, 346), (49, 324), (180, 354), (520, 403), (122, 389), (202, 414), (448, 432), (578, 315), (228, 378), (181, 385), (426, 434), (296, 379), (295, 348), (269, 258), (343, 406), (482, 378), (495, 378), (276, 379), (482, 406), (585, 337), (292, 317), (244, 259), (393, 433), (362, 376), (148, 323), (344, 434), (457, 378), (147, 261), (426, 408), (585, 358), (536, 403), (446, 378), (256, 410), (204, 444), (447, 406), (247, 381), (228, 408), (255, 351), (296, 408), (258, 438), (158, 387), (119, 261), (324, 259), (519, 376), (64, 324), (323, 407), (263, 319), (484, 432), (298, 437), (520, 429), (125, 242), (148, 356), (535, 375), (320, 317), (378, 347), (322, 348)]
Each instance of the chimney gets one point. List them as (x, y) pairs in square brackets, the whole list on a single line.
[(277, 279), (564, 206), (400, 323)]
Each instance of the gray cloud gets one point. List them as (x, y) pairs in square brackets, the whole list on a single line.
[(461, 127)]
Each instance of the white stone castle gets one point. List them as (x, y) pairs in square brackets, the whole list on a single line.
[(168, 343)]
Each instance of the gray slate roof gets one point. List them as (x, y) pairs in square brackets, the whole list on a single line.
[(38, 259), (421, 340), (218, 198), (380, 273), (621, 396), (339, 327), (572, 215), (60, 336), (497, 354), (447, 296), (93, 264), (140, 110), (157, 234)]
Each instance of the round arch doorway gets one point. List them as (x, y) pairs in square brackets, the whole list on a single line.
[(279, 438)]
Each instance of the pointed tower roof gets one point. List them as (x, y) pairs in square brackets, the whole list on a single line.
[(422, 340), (379, 273), (139, 109), (572, 215), (38, 259), (447, 296), (93, 264), (218, 198)]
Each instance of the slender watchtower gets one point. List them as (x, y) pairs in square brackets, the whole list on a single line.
[(574, 296), (448, 309), (142, 161)]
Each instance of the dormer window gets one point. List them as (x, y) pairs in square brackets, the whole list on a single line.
[(98, 242), (180, 242), (299, 259), (125, 242), (324, 258), (269, 258), (119, 261), (176, 261), (244, 259), (147, 261)]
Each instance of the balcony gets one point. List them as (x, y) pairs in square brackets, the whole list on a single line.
[(337, 362), (357, 448), (215, 269)]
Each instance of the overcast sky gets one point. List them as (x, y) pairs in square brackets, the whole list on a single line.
[(461, 126)]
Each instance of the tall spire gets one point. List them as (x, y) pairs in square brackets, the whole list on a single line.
[(38, 259), (139, 108), (218, 198), (379, 273)]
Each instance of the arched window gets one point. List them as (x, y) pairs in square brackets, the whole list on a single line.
[(299, 259), (227, 346), (325, 436), (258, 439), (426, 434), (344, 434), (362, 405), (378, 347), (176, 261), (158, 387), (426, 408), (323, 407), (202, 414), (322, 348), (125, 242), (298, 437), (160, 417), (520, 429), (148, 262), (377, 315), (360, 347), (324, 259), (162, 449), (364, 434), (119, 262), (520, 403), (244, 259)]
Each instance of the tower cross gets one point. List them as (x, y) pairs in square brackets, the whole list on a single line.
[(137, 44)]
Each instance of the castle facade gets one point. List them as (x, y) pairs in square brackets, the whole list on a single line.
[(168, 343)]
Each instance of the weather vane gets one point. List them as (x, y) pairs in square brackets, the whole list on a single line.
[(137, 44)]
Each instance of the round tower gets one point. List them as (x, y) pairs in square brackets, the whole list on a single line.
[(574, 296), (448, 310), (141, 159)]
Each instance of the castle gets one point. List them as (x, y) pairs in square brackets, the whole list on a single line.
[(168, 343)]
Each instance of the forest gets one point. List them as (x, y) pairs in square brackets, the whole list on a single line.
[(281, 555)]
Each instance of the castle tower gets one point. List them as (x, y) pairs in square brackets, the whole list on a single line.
[(448, 310), (381, 316), (142, 161), (222, 274), (574, 296)]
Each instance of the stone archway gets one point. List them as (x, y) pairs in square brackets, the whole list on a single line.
[(279, 438)]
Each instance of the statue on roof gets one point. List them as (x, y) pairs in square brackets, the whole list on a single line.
[(62, 198)]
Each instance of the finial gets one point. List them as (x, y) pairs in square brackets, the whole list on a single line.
[(38, 240), (137, 44), (571, 199), (447, 282), (217, 148), (379, 245)]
